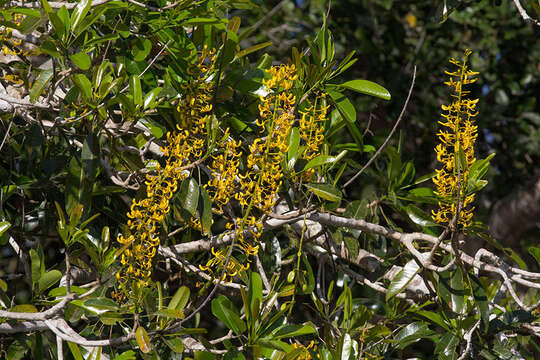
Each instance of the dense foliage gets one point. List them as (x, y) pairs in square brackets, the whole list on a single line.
[(211, 179)]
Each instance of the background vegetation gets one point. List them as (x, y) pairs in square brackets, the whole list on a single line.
[(89, 91)]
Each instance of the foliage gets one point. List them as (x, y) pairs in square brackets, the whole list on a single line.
[(173, 186)]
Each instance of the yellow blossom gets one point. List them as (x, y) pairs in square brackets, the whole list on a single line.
[(458, 137)]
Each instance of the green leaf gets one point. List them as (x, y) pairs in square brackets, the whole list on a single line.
[(141, 49), (39, 85), (180, 298), (49, 48), (135, 88), (402, 279), (101, 303), (324, 159), (81, 60), (254, 294), (458, 291), (434, 317), (419, 216), (175, 344), (142, 340), (189, 195), (206, 217), (79, 13), (75, 351), (63, 15), (412, 333), (344, 105), (367, 87), (480, 299), (89, 20), (35, 265), (126, 355), (446, 347), (253, 48), (534, 251), (84, 85), (56, 22), (4, 225), (325, 191), (150, 98), (224, 310), (292, 153), (27, 308), (48, 279), (171, 313), (291, 330)]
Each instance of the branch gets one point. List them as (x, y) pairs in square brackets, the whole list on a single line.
[(524, 14)]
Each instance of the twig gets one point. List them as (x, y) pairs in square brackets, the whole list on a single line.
[(377, 153), (524, 14)]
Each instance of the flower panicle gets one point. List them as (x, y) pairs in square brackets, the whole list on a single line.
[(146, 215), (455, 150)]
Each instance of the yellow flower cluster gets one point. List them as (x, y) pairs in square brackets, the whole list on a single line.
[(263, 178), (220, 258), (5, 35), (224, 170), (183, 147), (257, 188), (458, 137), (304, 353), (196, 105), (311, 131)]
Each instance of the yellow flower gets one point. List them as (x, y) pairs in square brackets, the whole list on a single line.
[(183, 147), (458, 138)]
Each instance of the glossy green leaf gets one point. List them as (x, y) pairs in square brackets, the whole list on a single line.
[(446, 347), (206, 213), (35, 266), (534, 251), (291, 330), (189, 195), (253, 48), (480, 300), (81, 60), (56, 22), (402, 279), (141, 49), (292, 153), (150, 98), (63, 15), (254, 294), (48, 279), (171, 313), (142, 340), (323, 160), (224, 310), (175, 344), (367, 87), (89, 20), (458, 291), (101, 303), (180, 298), (39, 85), (412, 333), (325, 191), (344, 105), (135, 88), (419, 216), (79, 14), (4, 225), (84, 85), (75, 351)]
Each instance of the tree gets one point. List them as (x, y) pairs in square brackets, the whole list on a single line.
[(170, 190)]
